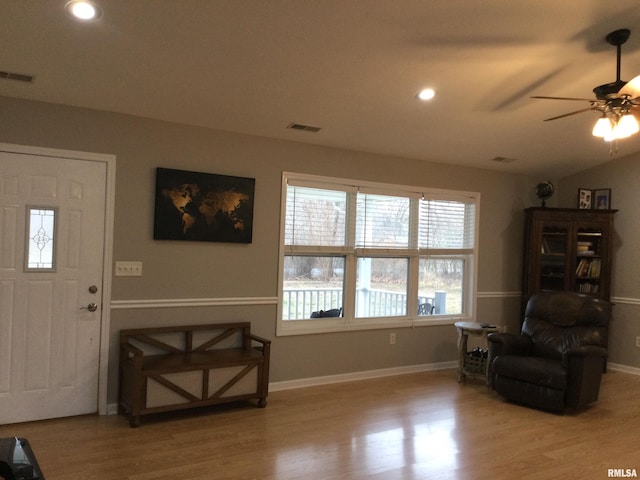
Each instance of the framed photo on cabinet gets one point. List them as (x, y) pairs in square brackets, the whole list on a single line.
[(584, 198), (602, 199)]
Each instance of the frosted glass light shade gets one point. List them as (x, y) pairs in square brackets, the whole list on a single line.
[(603, 128), (610, 130), (627, 126)]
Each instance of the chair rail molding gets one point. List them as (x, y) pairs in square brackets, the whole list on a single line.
[(625, 300), (191, 302), (499, 294)]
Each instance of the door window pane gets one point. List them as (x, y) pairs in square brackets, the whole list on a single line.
[(41, 239)]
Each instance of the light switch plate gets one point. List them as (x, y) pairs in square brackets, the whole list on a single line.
[(128, 269)]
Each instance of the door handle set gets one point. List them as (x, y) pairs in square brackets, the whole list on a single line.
[(92, 307)]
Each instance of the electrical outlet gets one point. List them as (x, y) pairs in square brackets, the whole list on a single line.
[(638, 342), (392, 339), (128, 269)]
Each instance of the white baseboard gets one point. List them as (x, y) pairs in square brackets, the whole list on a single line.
[(353, 376), (623, 368)]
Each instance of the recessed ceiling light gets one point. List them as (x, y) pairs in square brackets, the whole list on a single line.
[(84, 9), (427, 94)]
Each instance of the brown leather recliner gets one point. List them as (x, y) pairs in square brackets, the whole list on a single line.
[(558, 359)]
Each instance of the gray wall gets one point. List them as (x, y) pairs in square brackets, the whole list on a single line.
[(180, 270)]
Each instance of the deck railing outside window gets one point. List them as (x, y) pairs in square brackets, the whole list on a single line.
[(301, 303)]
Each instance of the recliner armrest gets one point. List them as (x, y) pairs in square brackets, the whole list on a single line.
[(584, 365), (509, 344), (506, 344), (586, 351)]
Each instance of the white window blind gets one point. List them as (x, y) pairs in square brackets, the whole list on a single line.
[(446, 224), (382, 221), (315, 217)]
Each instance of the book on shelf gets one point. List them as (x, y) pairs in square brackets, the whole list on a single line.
[(594, 268), (589, 268), (588, 288)]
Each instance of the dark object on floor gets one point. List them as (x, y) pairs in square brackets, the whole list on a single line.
[(17, 461), (558, 359)]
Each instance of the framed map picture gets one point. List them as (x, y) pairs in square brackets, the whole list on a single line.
[(203, 207)]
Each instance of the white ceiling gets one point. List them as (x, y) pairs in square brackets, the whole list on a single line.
[(351, 67)]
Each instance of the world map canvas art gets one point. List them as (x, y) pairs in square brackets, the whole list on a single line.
[(203, 207)]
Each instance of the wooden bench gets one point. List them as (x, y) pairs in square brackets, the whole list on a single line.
[(175, 368)]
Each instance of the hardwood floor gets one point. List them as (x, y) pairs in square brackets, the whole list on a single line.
[(417, 426)]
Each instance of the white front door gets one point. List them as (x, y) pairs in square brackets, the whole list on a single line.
[(52, 240)]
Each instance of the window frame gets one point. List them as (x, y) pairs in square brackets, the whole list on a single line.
[(351, 254)]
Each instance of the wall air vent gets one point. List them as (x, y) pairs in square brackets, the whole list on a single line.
[(306, 128), (20, 77)]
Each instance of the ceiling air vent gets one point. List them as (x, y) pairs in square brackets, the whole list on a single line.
[(306, 128), (503, 160), (20, 77)]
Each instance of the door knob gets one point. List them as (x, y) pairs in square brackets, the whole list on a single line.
[(92, 307)]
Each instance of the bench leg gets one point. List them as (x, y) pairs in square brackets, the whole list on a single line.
[(262, 402), (134, 421)]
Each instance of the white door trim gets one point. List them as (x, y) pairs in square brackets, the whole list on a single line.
[(105, 330)]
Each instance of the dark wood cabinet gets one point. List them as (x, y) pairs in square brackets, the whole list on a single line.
[(568, 249)]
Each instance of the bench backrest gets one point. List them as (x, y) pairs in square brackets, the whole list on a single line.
[(188, 338)]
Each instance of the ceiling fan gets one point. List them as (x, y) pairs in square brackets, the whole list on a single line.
[(615, 101)]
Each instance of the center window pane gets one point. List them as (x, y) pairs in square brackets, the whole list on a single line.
[(381, 287), (382, 221)]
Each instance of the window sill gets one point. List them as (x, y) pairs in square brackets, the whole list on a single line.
[(308, 327)]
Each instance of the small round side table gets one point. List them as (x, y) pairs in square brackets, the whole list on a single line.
[(468, 365)]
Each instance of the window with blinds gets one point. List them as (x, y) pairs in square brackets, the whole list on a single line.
[(361, 254), (447, 224), (315, 217)]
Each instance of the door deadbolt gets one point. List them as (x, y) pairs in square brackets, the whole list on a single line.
[(93, 289)]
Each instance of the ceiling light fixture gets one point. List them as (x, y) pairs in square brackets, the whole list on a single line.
[(84, 9), (615, 125), (614, 101)]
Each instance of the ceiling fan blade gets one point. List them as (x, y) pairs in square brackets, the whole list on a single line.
[(568, 114), (631, 88), (567, 98)]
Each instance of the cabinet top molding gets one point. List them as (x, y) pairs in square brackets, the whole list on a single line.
[(572, 210)]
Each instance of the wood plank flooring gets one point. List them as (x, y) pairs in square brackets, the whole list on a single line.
[(416, 426)]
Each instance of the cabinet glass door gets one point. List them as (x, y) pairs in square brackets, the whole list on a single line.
[(553, 258), (588, 260)]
